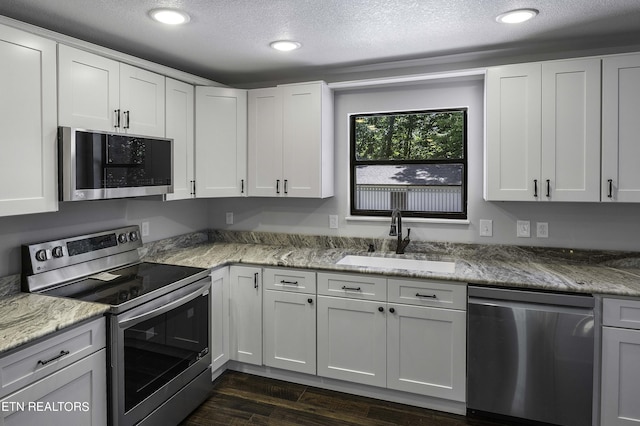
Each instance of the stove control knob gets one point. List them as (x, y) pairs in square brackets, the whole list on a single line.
[(122, 238), (41, 255), (57, 251), (133, 236)]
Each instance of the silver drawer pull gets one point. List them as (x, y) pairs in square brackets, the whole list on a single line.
[(432, 296), (62, 353), (289, 282), (351, 288)]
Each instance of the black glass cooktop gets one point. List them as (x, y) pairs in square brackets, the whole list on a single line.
[(119, 286)]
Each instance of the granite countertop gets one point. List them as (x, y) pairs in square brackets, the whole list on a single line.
[(607, 273), (27, 317)]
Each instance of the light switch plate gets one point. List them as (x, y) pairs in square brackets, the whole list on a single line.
[(486, 228), (229, 218), (144, 229), (333, 221), (523, 229)]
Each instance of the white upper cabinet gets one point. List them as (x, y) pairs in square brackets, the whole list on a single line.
[(512, 163), (543, 132), (142, 97), (291, 141), (620, 128), (28, 123), (571, 130), (101, 94), (221, 142), (265, 142), (180, 123)]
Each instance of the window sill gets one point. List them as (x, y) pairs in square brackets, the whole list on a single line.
[(407, 220)]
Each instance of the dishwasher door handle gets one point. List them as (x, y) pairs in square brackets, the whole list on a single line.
[(528, 306)]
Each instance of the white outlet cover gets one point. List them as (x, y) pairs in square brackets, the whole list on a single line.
[(542, 230), (486, 228), (333, 221), (523, 229), (229, 218)]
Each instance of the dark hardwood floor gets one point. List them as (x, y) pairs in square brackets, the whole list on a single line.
[(243, 399)]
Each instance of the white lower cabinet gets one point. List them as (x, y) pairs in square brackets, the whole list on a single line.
[(245, 312), (59, 381), (290, 331), (620, 363), (426, 351), (415, 346), (219, 318), (352, 342)]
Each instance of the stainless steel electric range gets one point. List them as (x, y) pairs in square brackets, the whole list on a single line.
[(158, 325)]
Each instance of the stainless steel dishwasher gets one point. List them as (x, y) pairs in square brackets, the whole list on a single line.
[(530, 355)]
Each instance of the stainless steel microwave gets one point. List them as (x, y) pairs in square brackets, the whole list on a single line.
[(94, 165)]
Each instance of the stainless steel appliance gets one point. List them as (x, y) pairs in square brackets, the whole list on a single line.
[(95, 165), (530, 355), (158, 324)]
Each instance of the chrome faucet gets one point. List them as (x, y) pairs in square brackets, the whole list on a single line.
[(396, 215)]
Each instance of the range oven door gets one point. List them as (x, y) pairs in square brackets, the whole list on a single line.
[(157, 349)]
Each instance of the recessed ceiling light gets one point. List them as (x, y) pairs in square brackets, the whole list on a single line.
[(516, 16), (170, 16), (285, 45)]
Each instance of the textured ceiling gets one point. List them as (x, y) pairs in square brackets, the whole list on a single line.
[(228, 40)]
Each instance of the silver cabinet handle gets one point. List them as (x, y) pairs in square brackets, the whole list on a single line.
[(535, 187), (117, 118), (610, 194), (351, 288), (288, 282), (62, 353), (286, 186), (127, 120), (277, 186), (242, 186), (431, 296), (255, 280)]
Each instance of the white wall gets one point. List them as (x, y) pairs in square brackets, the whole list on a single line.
[(77, 218), (584, 225)]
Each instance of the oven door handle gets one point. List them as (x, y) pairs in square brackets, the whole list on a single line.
[(162, 309)]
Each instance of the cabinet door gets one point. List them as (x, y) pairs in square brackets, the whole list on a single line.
[(620, 377), (265, 143), (426, 351), (290, 331), (142, 101), (352, 342), (571, 130), (302, 139), (180, 123), (620, 128), (28, 123), (88, 90), (219, 318), (245, 308), (75, 395), (512, 151), (221, 142)]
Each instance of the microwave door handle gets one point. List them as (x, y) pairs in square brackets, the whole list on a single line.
[(162, 309)]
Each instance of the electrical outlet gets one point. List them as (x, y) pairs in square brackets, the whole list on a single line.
[(542, 230), (229, 218), (333, 221), (486, 228), (523, 229), (145, 229)]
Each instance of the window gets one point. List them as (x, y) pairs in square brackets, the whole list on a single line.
[(414, 160)]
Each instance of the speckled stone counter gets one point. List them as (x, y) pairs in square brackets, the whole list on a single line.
[(27, 317), (584, 271)]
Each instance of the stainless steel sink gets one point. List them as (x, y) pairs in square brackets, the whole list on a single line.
[(399, 263)]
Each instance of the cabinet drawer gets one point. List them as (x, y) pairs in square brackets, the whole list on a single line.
[(25, 366), (353, 286), (621, 313), (289, 280), (440, 294)]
